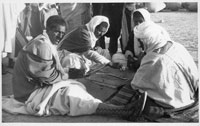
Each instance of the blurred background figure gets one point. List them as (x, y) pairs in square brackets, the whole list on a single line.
[(126, 33), (191, 6), (9, 13), (75, 14), (28, 25), (155, 6), (29, 20), (127, 24), (46, 10)]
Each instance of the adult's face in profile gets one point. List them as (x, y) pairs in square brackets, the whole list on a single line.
[(100, 30)]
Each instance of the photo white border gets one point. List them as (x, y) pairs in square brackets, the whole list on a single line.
[(101, 124)]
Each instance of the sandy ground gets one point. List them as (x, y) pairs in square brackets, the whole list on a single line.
[(182, 27)]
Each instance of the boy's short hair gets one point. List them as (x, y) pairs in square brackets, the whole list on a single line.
[(54, 21)]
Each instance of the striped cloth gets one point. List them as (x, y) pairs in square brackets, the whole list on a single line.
[(123, 96)]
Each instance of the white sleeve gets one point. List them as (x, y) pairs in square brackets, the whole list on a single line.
[(96, 57)]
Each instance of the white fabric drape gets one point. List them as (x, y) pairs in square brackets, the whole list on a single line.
[(72, 100), (9, 13)]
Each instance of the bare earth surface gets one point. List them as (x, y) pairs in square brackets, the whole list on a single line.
[(182, 27)]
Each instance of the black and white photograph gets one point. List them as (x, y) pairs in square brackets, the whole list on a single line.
[(99, 62)]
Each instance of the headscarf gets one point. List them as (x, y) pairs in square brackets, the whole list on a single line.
[(152, 35), (92, 24), (144, 13)]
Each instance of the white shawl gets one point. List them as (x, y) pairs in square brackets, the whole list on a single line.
[(92, 24)]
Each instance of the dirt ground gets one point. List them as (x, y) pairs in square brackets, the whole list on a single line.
[(182, 26)]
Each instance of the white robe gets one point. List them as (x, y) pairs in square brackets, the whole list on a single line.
[(162, 76), (72, 100)]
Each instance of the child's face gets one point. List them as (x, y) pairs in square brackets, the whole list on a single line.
[(138, 20), (100, 30)]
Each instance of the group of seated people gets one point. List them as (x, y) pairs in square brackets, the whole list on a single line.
[(166, 75)]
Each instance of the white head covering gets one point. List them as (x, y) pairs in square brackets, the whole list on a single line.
[(93, 23), (144, 13), (152, 35)]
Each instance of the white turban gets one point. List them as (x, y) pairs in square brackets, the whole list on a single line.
[(152, 35), (145, 14)]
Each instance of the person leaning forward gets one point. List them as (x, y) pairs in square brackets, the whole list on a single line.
[(167, 73)]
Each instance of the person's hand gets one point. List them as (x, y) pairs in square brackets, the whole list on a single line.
[(141, 55), (60, 68), (66, 70), (128, 53), (117, 66), (123, 68), (98, 49), (133, 63), (65, 76)]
